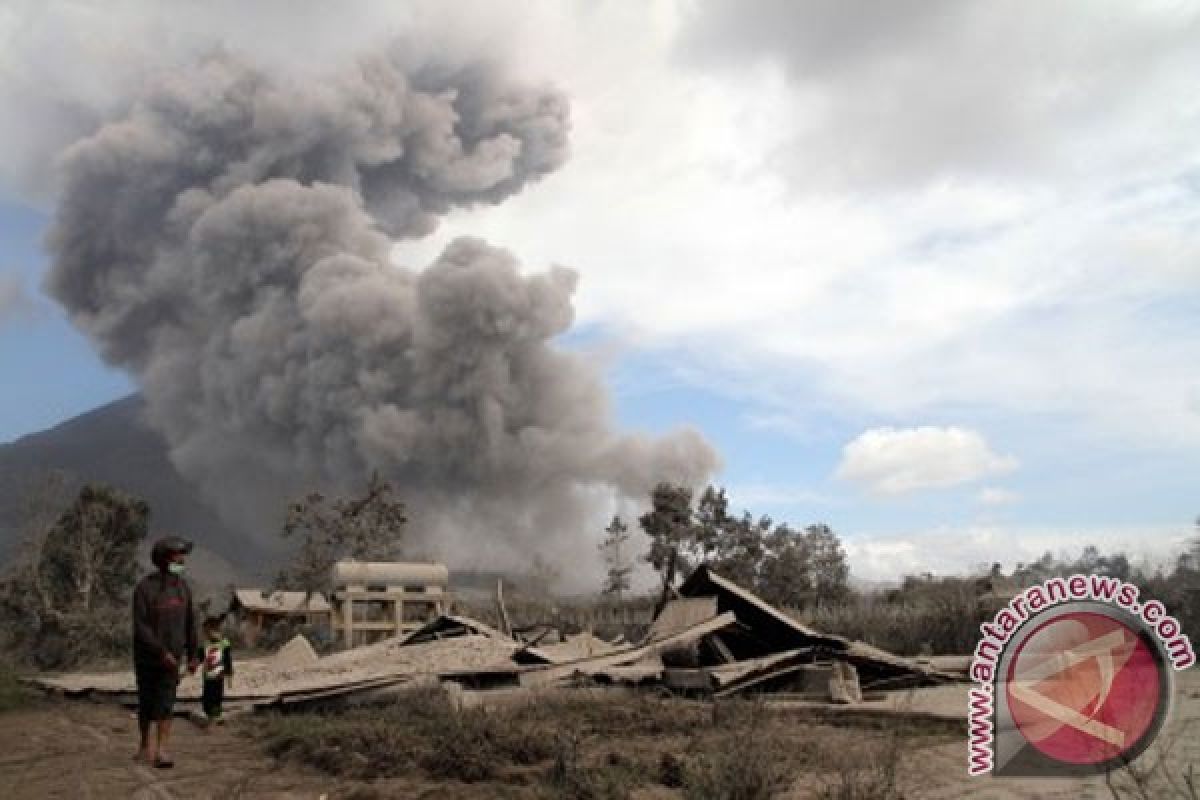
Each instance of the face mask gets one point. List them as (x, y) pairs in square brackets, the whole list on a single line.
[(175, 568)]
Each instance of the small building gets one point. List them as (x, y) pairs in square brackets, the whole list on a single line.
[(259, 610), (374, 600)]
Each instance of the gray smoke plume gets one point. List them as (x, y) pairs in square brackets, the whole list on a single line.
[(228, 242)]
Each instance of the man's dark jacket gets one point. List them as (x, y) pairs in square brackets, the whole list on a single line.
[(162, 620)]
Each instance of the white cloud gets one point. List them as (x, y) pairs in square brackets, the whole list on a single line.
[(877, 225), (891, 461), (993, 496), (971, 549), (899, 94), (1023, 293)]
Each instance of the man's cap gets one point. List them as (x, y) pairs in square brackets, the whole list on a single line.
[(168, 546)]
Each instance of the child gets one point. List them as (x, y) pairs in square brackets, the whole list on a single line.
[(216, 659)]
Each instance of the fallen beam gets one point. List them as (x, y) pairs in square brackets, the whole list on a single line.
[(551, 675), (730, 676)]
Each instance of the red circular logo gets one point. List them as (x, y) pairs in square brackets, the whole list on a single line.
[(1085, 688)]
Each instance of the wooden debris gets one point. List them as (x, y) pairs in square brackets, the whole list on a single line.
[(843, 684), (504, 620), (715, 638), (681, 614), (551, 675), (739, 676)]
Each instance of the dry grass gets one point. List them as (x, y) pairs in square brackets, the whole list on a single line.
[(571, 777), (744, 770), (475, 745), (865, 771), (949, 625), (588, 746), (1156, 775)]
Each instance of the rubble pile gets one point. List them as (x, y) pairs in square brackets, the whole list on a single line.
[(714, 639), (717, 638), (294, 678)]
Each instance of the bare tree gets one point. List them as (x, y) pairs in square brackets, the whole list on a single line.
[(44, 501), (367, 527), (616, 559)]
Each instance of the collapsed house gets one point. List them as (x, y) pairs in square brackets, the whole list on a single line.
[(715, 639)]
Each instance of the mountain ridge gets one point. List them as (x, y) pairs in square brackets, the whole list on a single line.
[(112, 444)]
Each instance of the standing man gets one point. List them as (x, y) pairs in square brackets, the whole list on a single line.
[(164, 635)]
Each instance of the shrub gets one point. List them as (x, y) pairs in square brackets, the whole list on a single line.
[(420, 728), (670, 771), (474, 745), (570, 779), (465, 748), (745, 770), (13, 695), (864, 772)]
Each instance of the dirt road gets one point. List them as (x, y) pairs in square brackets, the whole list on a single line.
[(81, 750), (940, 773)]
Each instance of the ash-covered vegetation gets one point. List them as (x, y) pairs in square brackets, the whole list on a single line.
[(599, 745)]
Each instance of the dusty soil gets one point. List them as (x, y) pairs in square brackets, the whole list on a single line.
[(79, 749), (940, 772)]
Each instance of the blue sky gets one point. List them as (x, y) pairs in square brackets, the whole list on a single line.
[(949, 305), (56, 374)]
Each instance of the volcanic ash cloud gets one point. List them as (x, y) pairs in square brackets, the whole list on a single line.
[(227, 241)]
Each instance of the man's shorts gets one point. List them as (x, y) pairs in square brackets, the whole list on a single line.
[(156, 692)]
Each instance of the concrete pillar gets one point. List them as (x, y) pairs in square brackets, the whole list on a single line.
[(348, 618)]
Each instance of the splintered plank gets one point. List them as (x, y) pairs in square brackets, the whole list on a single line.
[(544, 677)]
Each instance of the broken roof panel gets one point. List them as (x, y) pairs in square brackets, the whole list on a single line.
[(581, 645), (772, 630), (450, 625), (765, 630), (681, 614), (628, 655), (883, 669)]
